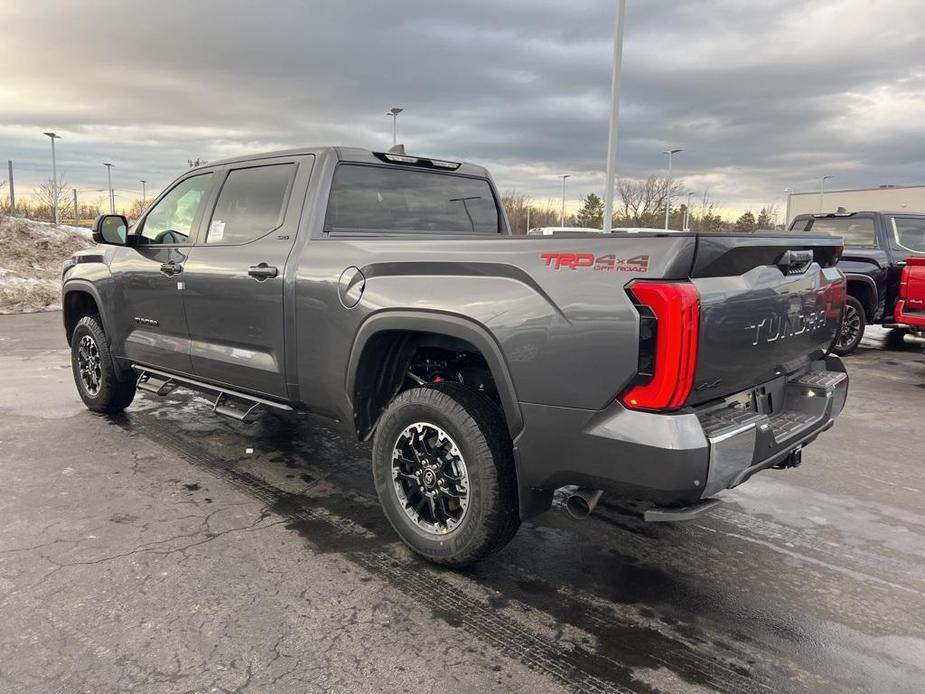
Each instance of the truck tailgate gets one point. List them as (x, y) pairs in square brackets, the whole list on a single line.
[(911, 306), (769, 305)]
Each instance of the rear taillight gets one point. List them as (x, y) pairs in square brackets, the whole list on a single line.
[(669, 326), (904, 282)]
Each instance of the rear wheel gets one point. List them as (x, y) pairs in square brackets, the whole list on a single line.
[(852, 328), (94, 372), (444, 473)]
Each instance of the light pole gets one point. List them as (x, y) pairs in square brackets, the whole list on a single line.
[(687, 212), (822, 193), (9, 163), (394, 111), (144, 192), (112, 200), (54, 175), (670, 153), (789, 192), (616, 71), (562, 213)]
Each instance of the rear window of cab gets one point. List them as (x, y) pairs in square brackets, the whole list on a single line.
[(856, 231), (380, 199)]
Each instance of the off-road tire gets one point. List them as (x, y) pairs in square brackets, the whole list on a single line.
[(113, 395), (477, 426), (854, 314)]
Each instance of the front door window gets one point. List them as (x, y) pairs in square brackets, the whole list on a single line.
[(171, 220)]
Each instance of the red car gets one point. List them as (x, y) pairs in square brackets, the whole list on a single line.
[(910, 309)]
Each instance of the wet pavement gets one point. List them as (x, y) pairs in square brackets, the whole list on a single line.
[(172, 550)]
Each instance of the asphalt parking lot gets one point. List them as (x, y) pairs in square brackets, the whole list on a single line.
[(171, 550)]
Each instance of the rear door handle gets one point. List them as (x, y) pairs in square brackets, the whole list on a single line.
[(262, 272), (171, 269)]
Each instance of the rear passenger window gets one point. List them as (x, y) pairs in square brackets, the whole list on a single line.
[(250, 204), (380, 199), (856, 231)]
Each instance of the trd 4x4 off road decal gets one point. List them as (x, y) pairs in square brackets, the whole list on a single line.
[(601, 263)]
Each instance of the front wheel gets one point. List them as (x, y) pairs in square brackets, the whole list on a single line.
[(444, 473), (852, 328), (94, 373)]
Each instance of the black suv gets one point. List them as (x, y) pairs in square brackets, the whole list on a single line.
[(877, 245)]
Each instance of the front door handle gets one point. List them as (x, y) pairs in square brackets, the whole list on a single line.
[(170, 269), (262, 272)]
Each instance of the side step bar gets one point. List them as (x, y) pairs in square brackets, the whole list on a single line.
[(231, 403)]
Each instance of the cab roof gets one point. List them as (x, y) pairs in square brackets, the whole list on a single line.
[(359, 155)]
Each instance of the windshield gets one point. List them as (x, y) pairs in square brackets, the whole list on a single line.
[(909, 233), (856, 231)]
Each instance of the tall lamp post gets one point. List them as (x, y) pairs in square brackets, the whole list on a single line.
[(144, 192), (789, 192), (562, 212), (670, 153), (616, 70), (687, 212), (112, 200), (822, 193), (54, 174), (394, 111)]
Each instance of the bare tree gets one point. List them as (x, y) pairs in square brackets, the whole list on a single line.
[(136, 209), (547, 214), (516, 206), (642, 203), (49, 196)]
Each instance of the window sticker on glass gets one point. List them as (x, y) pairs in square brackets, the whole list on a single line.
[(216, 231)]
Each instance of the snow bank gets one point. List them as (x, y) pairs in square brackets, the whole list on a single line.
[(31, 257)]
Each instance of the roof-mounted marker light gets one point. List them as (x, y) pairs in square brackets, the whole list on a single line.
[(402, 158)]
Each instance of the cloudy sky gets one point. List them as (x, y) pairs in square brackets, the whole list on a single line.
[(761, 95)]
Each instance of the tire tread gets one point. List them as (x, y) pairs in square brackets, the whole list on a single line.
[(115, 394), (484, 426)]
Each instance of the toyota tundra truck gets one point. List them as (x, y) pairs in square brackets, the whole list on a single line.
[(386, 292)]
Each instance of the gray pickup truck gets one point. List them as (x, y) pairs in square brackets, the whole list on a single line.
[(386, 291)]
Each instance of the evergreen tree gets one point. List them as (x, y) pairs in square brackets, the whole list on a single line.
[(591, 214), (746, 223), (764, 220)]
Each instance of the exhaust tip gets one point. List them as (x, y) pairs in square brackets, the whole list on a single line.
[(580, 504)]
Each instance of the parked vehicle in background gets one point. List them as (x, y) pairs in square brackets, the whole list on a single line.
[(549, 231), (910, 309), (877, 248), (552, 231), (386, 291)]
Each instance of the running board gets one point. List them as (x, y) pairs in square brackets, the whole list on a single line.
[(227, 402), (681, 513), (154, 383)]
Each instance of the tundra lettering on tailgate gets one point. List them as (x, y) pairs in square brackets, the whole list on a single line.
[(784, 325), (601, 263)]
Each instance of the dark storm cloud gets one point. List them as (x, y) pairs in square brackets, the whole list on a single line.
[(762, 95)]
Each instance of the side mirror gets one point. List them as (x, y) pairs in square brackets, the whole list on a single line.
[(111, 229)]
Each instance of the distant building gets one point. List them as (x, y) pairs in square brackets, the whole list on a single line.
[(882, 199)]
